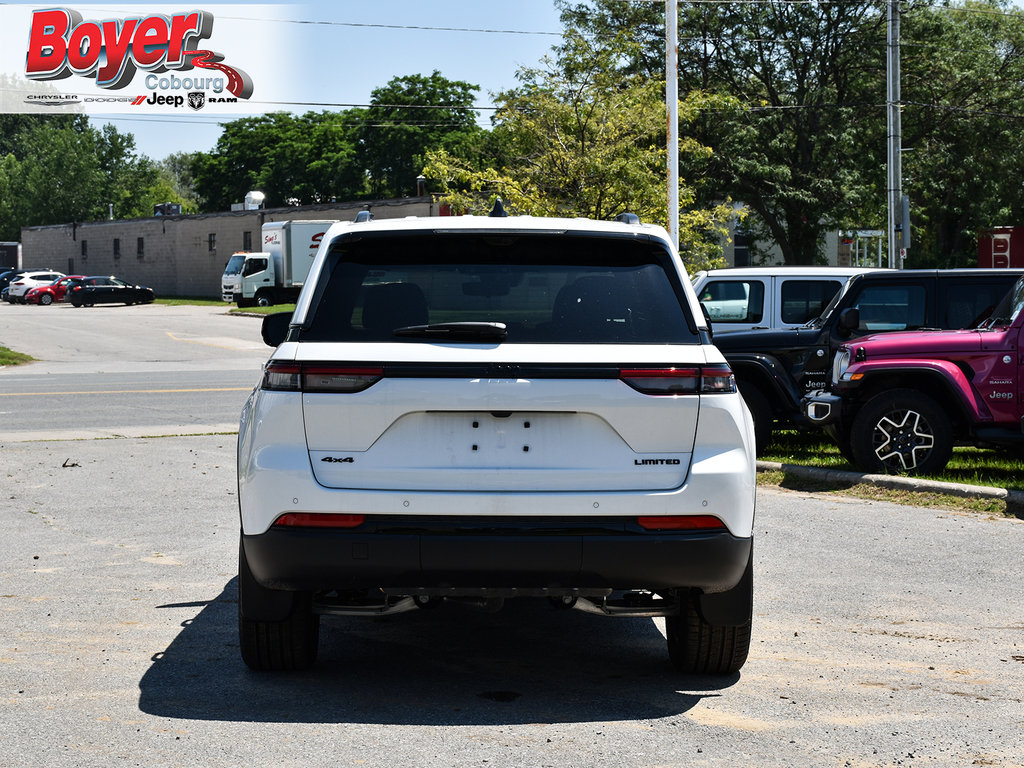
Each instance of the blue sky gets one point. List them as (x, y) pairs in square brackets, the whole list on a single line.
[(338, 63)]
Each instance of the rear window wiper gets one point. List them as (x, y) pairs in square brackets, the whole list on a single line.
[(455, 331)]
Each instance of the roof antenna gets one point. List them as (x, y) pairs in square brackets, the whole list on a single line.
[(498, 209)]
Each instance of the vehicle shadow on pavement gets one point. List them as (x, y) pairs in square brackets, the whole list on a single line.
[(454, 665)]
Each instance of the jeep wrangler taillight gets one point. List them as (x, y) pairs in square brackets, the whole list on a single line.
[(319, 377), (689, 380)]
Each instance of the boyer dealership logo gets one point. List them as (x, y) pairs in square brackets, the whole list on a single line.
[(113, 51)]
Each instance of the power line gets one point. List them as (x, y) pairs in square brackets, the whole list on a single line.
[(414, 27), (964, 110), (373, 106), (112, 118)]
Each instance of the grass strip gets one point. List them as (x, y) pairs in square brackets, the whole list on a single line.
[(10, 357), (188, 301), (1001, 467), (790, 482)]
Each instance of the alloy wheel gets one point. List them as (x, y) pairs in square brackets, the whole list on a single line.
[(902, 440)]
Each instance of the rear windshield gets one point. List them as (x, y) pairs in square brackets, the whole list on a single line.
[(544, 288)]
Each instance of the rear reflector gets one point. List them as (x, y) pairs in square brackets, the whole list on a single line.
[(319, 377), (682, 523), (307, 520), (690, 380)]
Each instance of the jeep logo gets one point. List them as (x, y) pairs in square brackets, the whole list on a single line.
[(1001, 396)]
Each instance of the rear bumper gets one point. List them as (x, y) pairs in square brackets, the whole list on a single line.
[(439, 554)]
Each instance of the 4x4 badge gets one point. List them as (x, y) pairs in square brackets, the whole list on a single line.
[(336, 460)]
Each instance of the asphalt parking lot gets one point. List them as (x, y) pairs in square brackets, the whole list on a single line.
[(883, 635)]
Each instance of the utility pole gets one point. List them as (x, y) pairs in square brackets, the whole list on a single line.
[(672, 104), (895, 132)]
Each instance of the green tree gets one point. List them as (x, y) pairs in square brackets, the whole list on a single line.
[(10, 210), (176, 175), (59, 178), (408, 117), (128, 178), (292, 160), (60, 169), (584, 140), (963, 84), (797, 70), (807, 152)]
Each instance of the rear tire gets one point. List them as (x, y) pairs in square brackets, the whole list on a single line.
[(275, 645), (697, 647)]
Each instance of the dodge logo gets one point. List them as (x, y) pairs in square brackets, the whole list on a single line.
[(196, 99)]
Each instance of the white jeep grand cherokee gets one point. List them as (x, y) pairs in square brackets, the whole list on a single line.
[(479, 408)]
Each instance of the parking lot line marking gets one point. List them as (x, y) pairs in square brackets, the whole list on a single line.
[(125, 392)]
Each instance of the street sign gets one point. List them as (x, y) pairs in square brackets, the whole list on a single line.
[(870, 233)]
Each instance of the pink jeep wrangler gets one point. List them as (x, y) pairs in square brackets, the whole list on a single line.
[(900, 401)]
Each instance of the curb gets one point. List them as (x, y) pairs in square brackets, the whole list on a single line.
[(1014, 499)]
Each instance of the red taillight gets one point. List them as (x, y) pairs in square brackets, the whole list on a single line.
[(717, 378), (308, 520), (319, 377), (282, 377), (682, 523), (663, 381), (680, 381)]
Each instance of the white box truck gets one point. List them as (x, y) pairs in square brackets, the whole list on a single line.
[(275, 274)]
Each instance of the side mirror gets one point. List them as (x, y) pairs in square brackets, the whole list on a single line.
[(275, 328), (849, 320)]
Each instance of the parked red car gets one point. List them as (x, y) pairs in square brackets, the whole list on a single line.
[(47, 294)]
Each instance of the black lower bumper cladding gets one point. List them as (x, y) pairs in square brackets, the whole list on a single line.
[(440, 552)]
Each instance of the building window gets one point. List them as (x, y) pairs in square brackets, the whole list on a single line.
[(247, 241), (117, 248), (85, 249), (212, 242), (140, 247)]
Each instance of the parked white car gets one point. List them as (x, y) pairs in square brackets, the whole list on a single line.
[(755, 298), (480, 408), (21, 285)]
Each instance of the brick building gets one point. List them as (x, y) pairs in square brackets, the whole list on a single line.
[(180, 255)]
